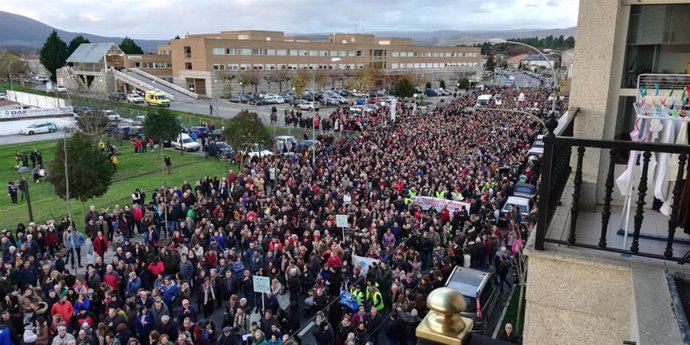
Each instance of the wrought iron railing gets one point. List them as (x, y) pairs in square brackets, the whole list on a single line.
[(556, 172)]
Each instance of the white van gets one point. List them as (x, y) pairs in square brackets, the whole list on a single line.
[(483, 100), (185, 143)]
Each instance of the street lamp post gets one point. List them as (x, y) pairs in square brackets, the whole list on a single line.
[(24, 186), (495, 41)]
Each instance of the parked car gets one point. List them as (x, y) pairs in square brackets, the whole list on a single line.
[(479, 292), (38, 128), (307, 144), (430, 93), (357, 109), (135, 98), (331, 101), (309, 105), (117, 97), (199, 131), (216, 134), (524, 190), (219, 149), (521, 204), (127, 132), (82, 110), (3, 96), (287, 97), (185, 143), (257, 150), (111, 115), (60, 88), (273, 99), (235, 99)]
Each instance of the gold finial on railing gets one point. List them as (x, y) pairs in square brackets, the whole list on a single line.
[(443, 324)]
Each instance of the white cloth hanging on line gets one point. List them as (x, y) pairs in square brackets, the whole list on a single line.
[(661, 177), (681, 139)]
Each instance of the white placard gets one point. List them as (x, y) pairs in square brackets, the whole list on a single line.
[(341, 221), (363, 262), (262, 284)]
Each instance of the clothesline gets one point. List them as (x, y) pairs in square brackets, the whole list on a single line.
[(666, 114)]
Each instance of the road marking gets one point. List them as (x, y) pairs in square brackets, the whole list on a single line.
[(503, 313), (304, 331)]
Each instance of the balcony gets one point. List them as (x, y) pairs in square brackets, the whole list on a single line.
[(588, 282)]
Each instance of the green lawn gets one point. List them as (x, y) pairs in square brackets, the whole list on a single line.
[(134, 171)]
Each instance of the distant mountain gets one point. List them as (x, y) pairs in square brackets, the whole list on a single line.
[(456, 37), (22, 32), (452, 37)]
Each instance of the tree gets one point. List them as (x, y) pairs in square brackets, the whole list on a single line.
[(464, 83), (161, 125), (490, 64), (299, 83), (54, 54), (75, 43), (18, 67), (94, 124), (128, 46), (442, 84), (90, 171), (245, 79), (245, 129), (404, 88)]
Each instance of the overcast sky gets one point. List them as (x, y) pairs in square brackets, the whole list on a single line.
[(163, 19)]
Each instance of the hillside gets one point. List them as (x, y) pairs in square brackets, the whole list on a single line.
[(22, 33), (19, 31)]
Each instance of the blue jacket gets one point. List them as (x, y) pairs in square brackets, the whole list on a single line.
[(75, 238), (133, 286), (171, 293), (238, 268), (143, 328)]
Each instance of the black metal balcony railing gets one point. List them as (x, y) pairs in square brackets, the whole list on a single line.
[(556, 172)]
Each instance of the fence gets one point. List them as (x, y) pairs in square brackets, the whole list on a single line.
[(556, 174)]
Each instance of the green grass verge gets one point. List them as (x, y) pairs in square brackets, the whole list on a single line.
[(512, 311), (134, 171)]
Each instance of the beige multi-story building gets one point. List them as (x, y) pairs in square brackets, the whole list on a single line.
[(210, 64)]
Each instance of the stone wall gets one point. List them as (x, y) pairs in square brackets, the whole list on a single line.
[(571, 301)]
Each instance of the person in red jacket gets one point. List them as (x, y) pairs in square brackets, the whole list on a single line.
[(138, 215), (156, 267), (100, 244), (112, 278), (64, 309)]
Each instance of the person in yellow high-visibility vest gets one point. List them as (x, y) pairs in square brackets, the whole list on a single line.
[(114, 161), (375, 298), (356, 292)]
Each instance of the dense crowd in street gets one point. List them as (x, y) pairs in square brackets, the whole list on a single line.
[(156, 270)]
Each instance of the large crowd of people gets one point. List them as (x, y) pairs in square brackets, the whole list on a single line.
[(157, 271)]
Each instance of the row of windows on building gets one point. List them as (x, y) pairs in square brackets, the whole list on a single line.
[(332, 53), (152, 65), (270, 67)]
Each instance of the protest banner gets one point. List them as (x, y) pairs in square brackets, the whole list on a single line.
[(426, 203)]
